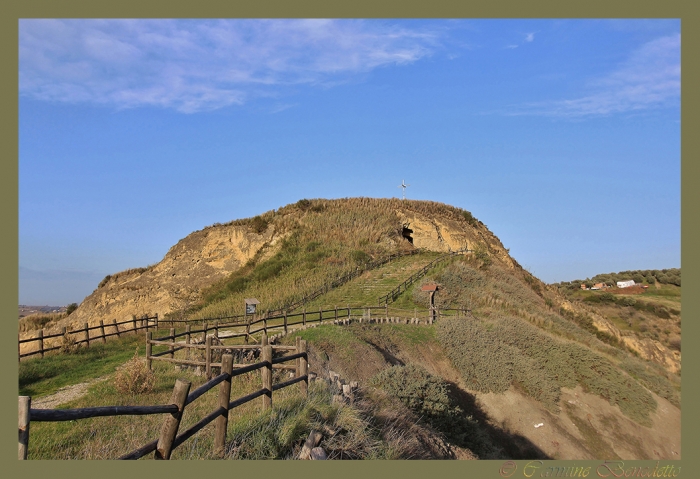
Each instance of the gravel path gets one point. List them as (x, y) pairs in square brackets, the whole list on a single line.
[(65, 394)]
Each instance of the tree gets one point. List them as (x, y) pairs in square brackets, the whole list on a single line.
[(71, 307)]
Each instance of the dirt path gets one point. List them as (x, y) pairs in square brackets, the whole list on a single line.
[(65, 394)]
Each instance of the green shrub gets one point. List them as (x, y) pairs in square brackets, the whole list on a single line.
[(428, 396), (259, 224), (493, 355), (70, 308)]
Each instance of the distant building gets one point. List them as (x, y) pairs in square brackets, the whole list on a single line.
[(599, 286), (625, 284), (583, 286)]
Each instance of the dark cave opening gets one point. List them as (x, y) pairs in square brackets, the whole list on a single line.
[(406, 233)]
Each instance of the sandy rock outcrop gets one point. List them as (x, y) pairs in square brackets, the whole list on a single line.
[(195, 262), (445, 234)]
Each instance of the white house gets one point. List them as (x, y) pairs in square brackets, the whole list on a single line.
[(625, 284)]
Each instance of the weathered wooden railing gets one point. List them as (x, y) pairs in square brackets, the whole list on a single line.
[(169, 438), (394, 293), (234, 319), (137, 324)]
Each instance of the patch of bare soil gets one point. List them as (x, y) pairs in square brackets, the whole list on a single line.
[(587, 427), (65, 394)]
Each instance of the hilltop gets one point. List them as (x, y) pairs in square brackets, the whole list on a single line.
[(286, 253), (526, 352)]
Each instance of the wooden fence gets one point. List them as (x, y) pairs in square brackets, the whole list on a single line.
[(291, 306), (83, 335), (181, 396), (394, 293)]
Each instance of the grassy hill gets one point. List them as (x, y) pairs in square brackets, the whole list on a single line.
[(323, 240), (526, 353)]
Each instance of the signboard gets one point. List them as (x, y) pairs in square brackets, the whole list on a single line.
[(251, 305)]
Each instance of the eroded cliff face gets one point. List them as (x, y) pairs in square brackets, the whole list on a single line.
[(195, 262), (648, 349), (445, 234), (209, 255)]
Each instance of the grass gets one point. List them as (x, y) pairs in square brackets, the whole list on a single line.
[(366, 289), (353, 231), (277, 433), (502, 351), (428, 397), (42, 376)]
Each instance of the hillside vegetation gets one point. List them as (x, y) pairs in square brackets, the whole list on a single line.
[(323, 240), (472, 385)]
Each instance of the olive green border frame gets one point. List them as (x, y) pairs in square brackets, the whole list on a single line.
[(12, 10)]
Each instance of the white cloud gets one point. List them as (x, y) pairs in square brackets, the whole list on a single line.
[(530, 37), (193, 65), (650, 78)]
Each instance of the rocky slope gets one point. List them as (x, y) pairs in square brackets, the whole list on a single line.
[(213, 253), (386, 225)]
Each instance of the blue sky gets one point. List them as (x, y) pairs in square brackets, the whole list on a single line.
[(562, 136)]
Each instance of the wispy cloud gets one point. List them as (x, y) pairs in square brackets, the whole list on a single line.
[(193, 65), (530, 37), (650, 78)]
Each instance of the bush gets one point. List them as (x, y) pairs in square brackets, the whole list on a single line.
[(134, 377), (259, 224), (71, 307), (428, 397), (68, 345), (508, 351)]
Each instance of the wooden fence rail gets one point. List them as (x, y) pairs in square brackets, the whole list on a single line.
[(82, 335), (181, 397), (394, 293), (242, 319)]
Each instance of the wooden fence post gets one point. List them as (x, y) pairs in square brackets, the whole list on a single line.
[(102, 331), (216, 329), (208, 357), (156, 321), (304, 363), (247, 332), (303, 318), (149, 346), (87, 335), (320, 314), (285, 323), (264, 341), (204, 331), (25, 403), (297, 360), (224, 399), (116, 328), (267, 377), (336, 313), (265, 323), (171, 424), (41, 342), (386, 310), (171, 348), (133, 320)]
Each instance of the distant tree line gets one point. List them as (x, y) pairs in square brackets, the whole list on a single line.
[(647, 276)]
